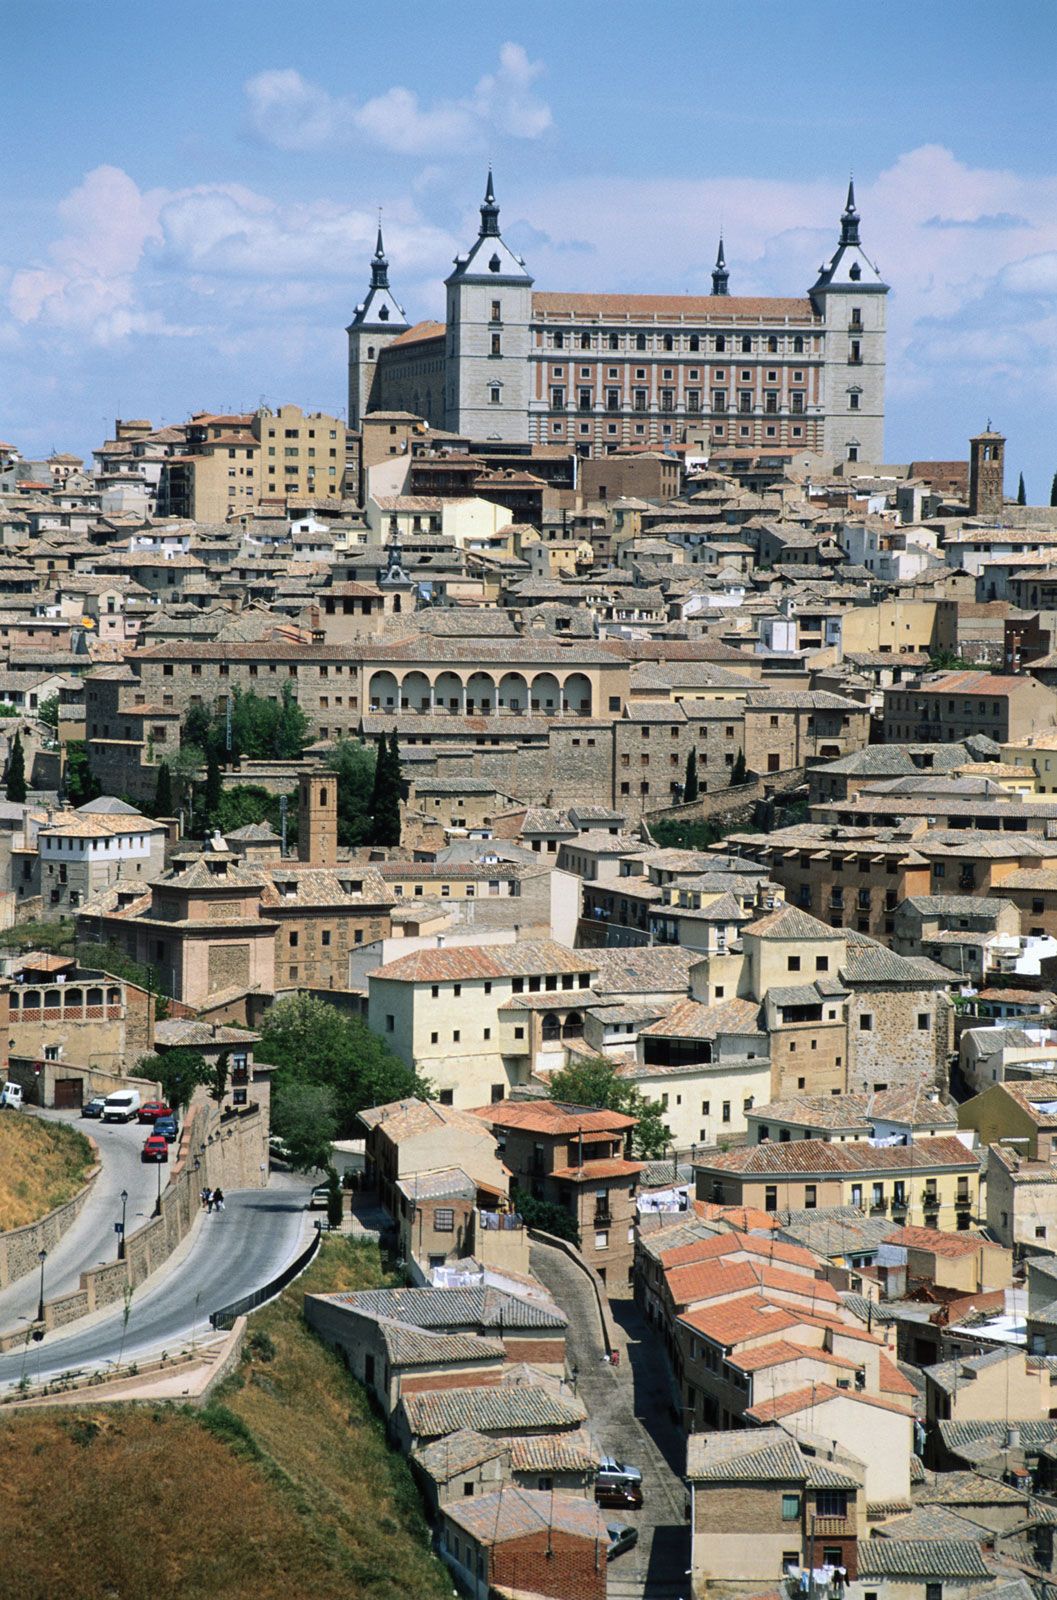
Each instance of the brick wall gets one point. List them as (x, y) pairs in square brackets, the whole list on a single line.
[(556, 1564)]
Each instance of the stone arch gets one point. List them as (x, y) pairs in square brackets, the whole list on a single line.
[(576, 694), (574, 1026), (546, 695), (448, 692), (95, 997), (31, 999), (480, 693), (384, 692), (113, 997), (513, 693), (52, 999), (550, 1028), (415, 691), (74, 997)]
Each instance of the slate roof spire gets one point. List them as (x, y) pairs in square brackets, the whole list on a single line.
[(849, 222), (720, 275), (380, 262), (489, 210)]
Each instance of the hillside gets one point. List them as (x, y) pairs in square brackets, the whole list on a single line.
[(283, 1486), (41, 1165)]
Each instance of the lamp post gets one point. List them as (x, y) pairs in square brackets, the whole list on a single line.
[(121, 1235), (42, 1256), (157, 1203)]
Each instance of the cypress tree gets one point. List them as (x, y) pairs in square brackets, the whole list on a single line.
[(381, 759), (163, 802), (1022, 497), (385, 802), (691, 786), (396, 767), (739, 771), (16, 771), (214, 790), (1053, 491)]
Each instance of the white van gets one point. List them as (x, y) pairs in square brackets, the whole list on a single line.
[(122, 1106), (11, 1097)]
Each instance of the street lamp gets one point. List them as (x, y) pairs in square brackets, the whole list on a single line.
[(42, 1256), (121, 1235), (157, 1203)]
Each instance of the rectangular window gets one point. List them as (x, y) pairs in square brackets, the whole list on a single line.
[(790, 1507), (444, 1220)]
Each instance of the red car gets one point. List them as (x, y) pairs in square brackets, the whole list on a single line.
[(151, 1110), (155, 1148), (620, 1497)]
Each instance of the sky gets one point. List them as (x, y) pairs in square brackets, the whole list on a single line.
[(191, 191)]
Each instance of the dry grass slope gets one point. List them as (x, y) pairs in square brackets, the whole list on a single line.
[(41, 1165), (283, 1487)]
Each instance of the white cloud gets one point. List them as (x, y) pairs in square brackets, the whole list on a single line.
[(288, 111)]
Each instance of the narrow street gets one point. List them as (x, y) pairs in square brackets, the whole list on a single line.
[(619, 1400)]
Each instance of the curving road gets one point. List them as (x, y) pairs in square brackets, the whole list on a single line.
[(91, 1240), (257, 1235)]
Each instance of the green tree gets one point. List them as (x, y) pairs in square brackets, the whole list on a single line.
[(292, 727), (1053, 491), (385, 799), (304, 1117), (218, 1086), (355, 763), (180, 1072), (213, 795), (309, 1041), (739, 771), (1022, 494), (594, 1082), (48, 711), (335, 1202), (163, 798), (547, 1215), (691, 787), (16, 771), (81, 785)]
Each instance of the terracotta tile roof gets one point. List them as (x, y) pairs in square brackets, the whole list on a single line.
[(762, 1356), (938, 1243), (815, 1394), (730, 1244), (811, 1156), (446, 1458), (750, 1316), (527, 958), (689, 1019), (415, 335), (490, 1410), (591, 1171), (554, 1452), (515, 1513), (891, 1380), (553, 1117), (742, 1219)]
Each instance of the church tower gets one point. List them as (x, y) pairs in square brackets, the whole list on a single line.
[(376, 322), (489, 312), (987, 471), (850, 295), (720, 275)]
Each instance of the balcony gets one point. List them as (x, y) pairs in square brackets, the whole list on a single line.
[(831, 1527), (603, 1217)]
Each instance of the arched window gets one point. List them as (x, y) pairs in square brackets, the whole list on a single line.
[(695, 342), (772, 345), (113, 997), (585, 341), (640, 341), (721, 342), (552, 1028), (370, 352), (574, 1025), (669, 342), (559, 341), (52, 1000), (95, 997), (798, 346)]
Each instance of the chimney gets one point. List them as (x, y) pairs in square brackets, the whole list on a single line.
[(1013, 1437)]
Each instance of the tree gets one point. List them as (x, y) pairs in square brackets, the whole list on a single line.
[(739, 771), (355, 764), (304, 1118), (1053, 491), (691, 787), (594, 1082), (385, 796), (16, 771), (81, 786), (163, 799), (335, 1202), (547, 1215), (1022, 494), (309, 1041), (214, 793), (48, 711), (180, 1072), (218, 1088)]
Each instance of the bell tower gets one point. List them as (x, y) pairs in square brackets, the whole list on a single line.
[(987, 469), (317, 819), (375, 323)]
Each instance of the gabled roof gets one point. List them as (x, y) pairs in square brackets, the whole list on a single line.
[(921, 1558), (789, 922)]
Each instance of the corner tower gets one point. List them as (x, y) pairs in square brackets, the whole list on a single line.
[(489, 312), (375, 323), (850, 295)]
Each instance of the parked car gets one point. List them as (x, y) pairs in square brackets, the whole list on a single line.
[(318, 1198), (11, 1097), (151, 1110), (94, 1106), (167, 1127), (155, 1148), (618, 1496), (122, 1106), (278, 1148), (618, 1471), (622, 1537)]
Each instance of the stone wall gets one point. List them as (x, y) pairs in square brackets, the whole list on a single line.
[(231, 1151), (20, 1247)]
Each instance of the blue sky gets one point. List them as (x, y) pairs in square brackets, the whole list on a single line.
[(191, 191)]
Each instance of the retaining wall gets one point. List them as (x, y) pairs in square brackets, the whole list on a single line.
[(605, 1316), (20, 1247)]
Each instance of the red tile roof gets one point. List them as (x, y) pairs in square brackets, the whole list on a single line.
[(892, 1380), (814, 1394), (783, 1350), (938, 1243), (552, 1116)]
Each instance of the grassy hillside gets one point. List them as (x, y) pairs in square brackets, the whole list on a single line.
[(41, 1165), (282, 1487)]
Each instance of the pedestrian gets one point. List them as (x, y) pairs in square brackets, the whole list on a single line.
[(218, 1198), (206, 1198)]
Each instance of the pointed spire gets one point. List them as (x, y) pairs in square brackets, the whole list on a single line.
[(720, 275), (380, 263), (489, 210), (849, 222)]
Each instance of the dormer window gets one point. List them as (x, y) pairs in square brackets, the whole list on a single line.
[(383, 313), (495, 264), (855, 272)]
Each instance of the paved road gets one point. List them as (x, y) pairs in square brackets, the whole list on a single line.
[(259, 1232), (91, 1240), (618, 1400)]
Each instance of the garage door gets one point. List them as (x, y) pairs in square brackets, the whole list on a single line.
[(69, 1093)]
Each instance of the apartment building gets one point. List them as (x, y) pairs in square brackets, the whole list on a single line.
[(578, 1159), (229, 464), (80, 853), (963, 705), (932, 1182)]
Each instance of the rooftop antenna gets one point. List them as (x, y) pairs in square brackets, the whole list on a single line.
[(282, 823)]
